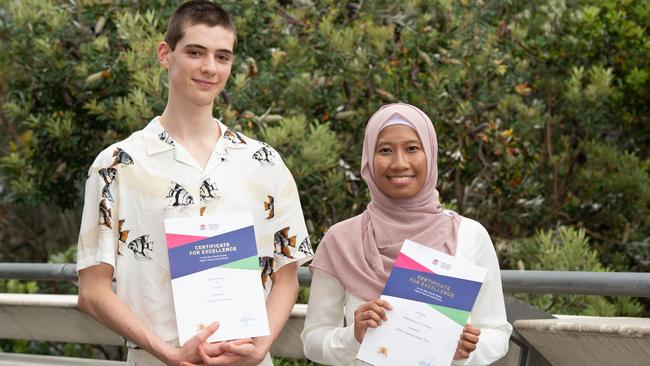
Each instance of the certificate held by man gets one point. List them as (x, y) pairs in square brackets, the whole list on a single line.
[(215, 276), (432, 294)]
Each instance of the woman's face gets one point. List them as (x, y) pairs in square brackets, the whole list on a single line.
[(399, 163)]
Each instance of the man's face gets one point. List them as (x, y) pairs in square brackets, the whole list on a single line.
[(200, 65)]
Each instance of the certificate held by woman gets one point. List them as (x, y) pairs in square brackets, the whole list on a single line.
[(432, 294)]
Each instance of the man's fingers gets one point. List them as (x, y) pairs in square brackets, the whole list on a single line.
[(242, 349), (205, 358), (206, 332), (185, 363), (215, 349), (241, 341)]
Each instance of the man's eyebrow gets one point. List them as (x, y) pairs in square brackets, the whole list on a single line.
[(221, 50)]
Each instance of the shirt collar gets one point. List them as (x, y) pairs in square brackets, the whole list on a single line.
[(157, 140)]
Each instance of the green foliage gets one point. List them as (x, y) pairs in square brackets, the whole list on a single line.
[(567, 249), (18, 287), (541, 108)]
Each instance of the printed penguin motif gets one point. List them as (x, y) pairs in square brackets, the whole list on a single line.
[(164, 137), (234, 137), (266, 263), (283, 241), (105, 215), (305, 248), (265, 156), (269, 205), (208, 191), (121, 157), (142, 248), (178, 196)]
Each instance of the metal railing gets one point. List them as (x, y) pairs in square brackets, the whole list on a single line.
[(532, 282)]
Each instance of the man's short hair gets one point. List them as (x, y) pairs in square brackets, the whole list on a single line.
[(196, 12)]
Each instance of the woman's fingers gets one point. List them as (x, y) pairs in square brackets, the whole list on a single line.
[(466, 346), (470, 337)]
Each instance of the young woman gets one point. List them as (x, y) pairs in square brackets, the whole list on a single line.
[(354, 259)]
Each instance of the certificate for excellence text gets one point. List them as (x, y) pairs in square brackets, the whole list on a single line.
[(432, 294), (215, 276)]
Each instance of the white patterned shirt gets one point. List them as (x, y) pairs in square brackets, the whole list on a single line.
[(136, 183)]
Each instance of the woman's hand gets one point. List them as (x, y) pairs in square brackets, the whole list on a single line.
[(467, 342), (369, 315)]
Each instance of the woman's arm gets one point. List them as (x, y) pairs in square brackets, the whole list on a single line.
[(325, 339), (489, 312)]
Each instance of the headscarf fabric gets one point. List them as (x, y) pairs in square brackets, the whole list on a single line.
[(360, 252)]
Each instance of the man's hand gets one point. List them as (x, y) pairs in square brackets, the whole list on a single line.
[(189, 350), (241, 352), (467, 342), (369, 315)]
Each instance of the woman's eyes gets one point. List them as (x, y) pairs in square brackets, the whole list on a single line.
[(387, 150)]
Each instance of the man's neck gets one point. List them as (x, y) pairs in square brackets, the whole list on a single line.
[(189, 124)]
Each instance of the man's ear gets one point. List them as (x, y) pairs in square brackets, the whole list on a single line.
[(164, 53)]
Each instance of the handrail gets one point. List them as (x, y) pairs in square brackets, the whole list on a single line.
[(533, 282)]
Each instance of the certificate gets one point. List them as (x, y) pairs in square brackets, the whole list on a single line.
[(432, 294), (215, 276)]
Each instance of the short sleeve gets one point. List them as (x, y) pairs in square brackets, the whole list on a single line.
[(290, 238), (99, 225)]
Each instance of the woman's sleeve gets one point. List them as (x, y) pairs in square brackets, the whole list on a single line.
[(325, 339), (489, 312)]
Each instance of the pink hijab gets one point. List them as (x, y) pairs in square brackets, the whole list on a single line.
[(360, 251)]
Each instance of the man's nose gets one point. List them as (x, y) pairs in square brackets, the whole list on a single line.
[(209, 65)]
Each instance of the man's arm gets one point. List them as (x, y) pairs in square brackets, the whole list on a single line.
[(279, 305), (97, 299), (278, 308)]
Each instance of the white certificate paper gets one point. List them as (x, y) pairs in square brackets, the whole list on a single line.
[(432, 294), (215, 276)]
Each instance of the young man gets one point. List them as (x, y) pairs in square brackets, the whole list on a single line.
[(185, 163)]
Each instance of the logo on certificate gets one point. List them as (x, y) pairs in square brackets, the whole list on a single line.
[(382, 351)]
